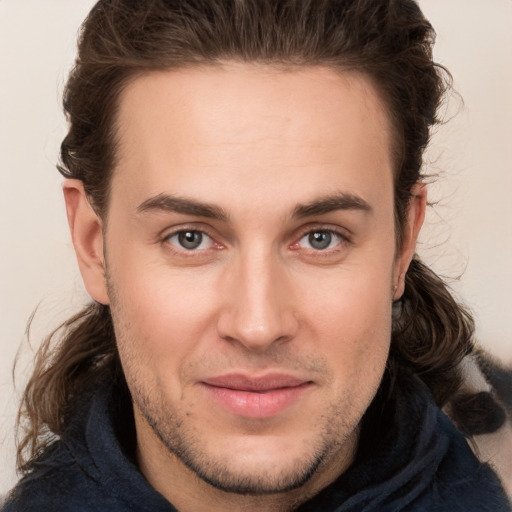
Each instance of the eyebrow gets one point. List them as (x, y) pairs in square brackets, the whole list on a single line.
[(166, 203), (320, 206), (331, 203)]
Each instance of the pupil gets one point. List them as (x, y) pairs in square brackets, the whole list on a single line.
[(190, 239), (320, 239)]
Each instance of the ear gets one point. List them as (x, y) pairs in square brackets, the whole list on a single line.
[(87, 235), (411, 230)]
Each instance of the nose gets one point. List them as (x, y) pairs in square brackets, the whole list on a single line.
[(258, 307)]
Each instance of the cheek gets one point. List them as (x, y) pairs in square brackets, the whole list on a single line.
[(352, 323), (160, 317)]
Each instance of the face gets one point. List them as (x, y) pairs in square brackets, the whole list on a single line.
[(250, 252)]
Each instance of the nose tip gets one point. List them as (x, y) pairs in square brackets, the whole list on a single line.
[(256, 338), (259, 312)]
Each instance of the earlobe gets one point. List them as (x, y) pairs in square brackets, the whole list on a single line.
[(87, 235), (411, 230)]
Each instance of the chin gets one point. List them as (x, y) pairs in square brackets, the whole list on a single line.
[(257, 473), (253, 462)]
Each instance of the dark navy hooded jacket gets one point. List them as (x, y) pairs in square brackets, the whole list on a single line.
[(410, 458)]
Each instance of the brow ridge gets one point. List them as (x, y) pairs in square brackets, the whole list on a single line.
[(328, 204), (320, 206), (168, 203)]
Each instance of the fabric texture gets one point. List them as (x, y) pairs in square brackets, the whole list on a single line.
[(410, 458)]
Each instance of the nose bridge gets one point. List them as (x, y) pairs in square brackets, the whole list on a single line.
[(258, 311)]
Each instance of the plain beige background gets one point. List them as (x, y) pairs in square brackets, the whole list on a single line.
[(469, 232)]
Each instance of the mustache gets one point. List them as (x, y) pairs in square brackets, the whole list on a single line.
[(276, 358)]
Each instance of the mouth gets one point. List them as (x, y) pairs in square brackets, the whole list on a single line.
[(256, 397)]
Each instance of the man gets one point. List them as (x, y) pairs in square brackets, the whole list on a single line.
[(244, 194)]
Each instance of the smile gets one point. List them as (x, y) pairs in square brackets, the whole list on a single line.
[(257, 398)]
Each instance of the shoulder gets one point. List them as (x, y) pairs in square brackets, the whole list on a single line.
[(88, 468), (433, 467), (58, 483), (459, 481), (463, 483), (482, 410)]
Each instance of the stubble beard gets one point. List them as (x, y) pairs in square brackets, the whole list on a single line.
[(184, 442), (336, 428)]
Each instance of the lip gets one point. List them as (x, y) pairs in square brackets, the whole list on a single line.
[(256, 396)]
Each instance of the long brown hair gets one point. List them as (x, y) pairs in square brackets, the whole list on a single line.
[(390, 41)]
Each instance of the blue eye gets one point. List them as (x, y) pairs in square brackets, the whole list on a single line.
[(321, 240), (190, 240)]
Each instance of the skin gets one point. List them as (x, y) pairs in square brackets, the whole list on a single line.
[(263, 148)]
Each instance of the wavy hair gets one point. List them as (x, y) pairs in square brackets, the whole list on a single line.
[(389, 41)]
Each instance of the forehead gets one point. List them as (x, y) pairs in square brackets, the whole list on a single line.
[(263, 129)]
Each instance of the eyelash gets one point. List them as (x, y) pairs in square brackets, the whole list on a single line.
[(182, 251), (342, 237), (343, 240)]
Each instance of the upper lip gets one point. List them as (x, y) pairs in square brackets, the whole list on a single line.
[(244, 382)]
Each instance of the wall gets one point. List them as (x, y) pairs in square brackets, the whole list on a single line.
[(469, 232)]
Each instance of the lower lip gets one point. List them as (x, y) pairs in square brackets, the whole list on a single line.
[(250, 404)]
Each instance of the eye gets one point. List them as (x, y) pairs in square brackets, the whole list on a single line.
[(320, 240), (190, 240)]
